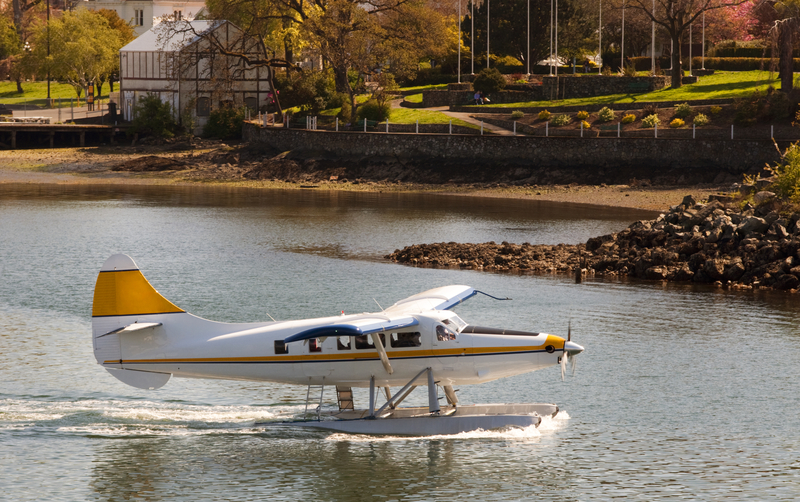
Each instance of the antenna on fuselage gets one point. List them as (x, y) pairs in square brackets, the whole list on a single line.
[(378, 304), (273, 319)]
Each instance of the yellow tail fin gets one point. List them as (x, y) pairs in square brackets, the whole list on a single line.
[(122, 290)]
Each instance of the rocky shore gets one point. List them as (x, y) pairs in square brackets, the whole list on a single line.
[(751, 247)]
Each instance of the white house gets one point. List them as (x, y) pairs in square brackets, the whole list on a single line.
[(181, 62), (144, 14)]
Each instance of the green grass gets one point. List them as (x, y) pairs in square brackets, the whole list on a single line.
[(421, 88), (722, 84), (414, 98), (410, 116), (35, 93)]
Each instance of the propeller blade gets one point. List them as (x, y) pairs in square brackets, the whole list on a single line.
[(569, 330), (563, 365), (574, 361)]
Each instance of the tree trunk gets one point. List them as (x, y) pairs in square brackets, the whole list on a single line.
[(275, 92), (18, 80), (343, 85), (785, 64), (677, 71), (18, 12)]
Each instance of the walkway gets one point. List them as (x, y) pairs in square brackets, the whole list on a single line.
[(467, 118), (63, 115)]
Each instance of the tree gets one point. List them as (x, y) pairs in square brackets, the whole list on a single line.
[(126, 35), (83, 49), (783, 31), (348, 34), (675, 16), (508, 27)]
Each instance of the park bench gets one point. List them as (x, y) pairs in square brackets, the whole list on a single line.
[(638, 87)]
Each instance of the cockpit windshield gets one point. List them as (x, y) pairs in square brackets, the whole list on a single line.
[(455, 323)]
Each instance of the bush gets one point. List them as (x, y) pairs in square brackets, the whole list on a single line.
[(152, 116), (374, 111), (650, 121), (586, 125), (346, 112), (630, 70), (629, 118), (517, 114), (560, 120), (544, 115), (605, 114), (582, 115), (788, 174), (489, 80), (224, 123), (772, 105), (676, 123), (715, 110), (701, 120), (650, 109), (683, 110)]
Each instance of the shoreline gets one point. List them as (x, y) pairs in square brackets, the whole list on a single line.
[(92, 166)]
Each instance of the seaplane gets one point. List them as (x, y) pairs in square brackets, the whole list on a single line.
[(143, 340)]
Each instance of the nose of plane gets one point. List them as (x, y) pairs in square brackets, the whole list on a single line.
[(572, 348)]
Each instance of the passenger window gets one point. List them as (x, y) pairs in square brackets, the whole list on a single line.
[(343, 343), (365, 341), (444, 334), (314, 345), (280, 347), (405, 340)]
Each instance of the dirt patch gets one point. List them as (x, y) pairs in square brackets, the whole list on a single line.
[(151, 163)]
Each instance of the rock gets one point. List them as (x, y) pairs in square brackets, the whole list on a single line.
[(734, 271), (786, 281), (714, 268), (754, 225), (762, 197), (689, 201), (655, 273)]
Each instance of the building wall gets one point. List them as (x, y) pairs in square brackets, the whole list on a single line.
[(153, 11)]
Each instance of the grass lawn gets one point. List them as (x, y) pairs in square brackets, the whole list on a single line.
[(35, 93), (411, 115), (722, 84), (421, 88), (414, 98)]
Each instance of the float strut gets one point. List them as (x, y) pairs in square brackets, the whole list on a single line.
[(433, 396)]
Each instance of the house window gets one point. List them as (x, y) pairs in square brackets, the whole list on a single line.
[(203, 107), (178, 15), (251, 103), (138, 17)]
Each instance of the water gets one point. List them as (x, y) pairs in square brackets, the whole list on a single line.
[(683, 392)]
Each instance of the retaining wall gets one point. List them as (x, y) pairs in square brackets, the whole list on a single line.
[(733, 156)]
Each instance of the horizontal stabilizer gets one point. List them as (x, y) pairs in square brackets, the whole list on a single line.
[(354, 328), (130, 328), (141, 379)]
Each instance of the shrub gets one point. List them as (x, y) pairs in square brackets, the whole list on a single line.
[(701, 120), (606, 114), (630, 70), (560, 120), (152, 116), (629, 118), (676, 123), (650, 121), (489, 80), (715, 110), (649, 109), (683, 110), (788, 174), (224, 123), (582, 115), (607, 71), (517, 114), (372, 110), (346, 113), (544, 115), (586, 125)]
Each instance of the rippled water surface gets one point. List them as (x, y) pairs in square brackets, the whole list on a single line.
[(682, 393)]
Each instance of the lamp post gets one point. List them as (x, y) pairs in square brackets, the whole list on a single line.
[(556, 45), (703, 53), (551, 37), (528, 57), (653, 42), (600, 39), (622, 44), (49, 101), (487, 33), (472, 35), (458, 64)]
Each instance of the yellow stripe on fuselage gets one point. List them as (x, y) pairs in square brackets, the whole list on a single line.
[(342, 356), (127, 292)]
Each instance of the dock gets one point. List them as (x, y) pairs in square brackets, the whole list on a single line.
[(43, 133)]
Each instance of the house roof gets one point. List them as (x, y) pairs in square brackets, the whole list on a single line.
[(171, 36)]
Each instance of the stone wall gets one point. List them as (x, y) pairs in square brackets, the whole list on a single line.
[(436, 98), (655, 155), (586, 86), (589, 108)]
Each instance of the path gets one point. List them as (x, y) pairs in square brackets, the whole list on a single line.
[(467, 118), (63, 114)]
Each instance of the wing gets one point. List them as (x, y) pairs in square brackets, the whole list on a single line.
[(443, 298), (369, 323)]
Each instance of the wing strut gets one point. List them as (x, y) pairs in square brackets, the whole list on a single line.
[(376, 340)]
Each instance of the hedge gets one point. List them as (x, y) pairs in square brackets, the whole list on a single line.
[(730, 64)]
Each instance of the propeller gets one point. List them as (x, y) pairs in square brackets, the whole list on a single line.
[(570, 351)]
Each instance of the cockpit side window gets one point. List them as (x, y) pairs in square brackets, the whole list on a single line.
[(343, 343), (280, 347), (314, 345), (398, 340), (443, 333)]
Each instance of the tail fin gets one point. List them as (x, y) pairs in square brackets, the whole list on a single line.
[(122, 290), (123, 297)]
